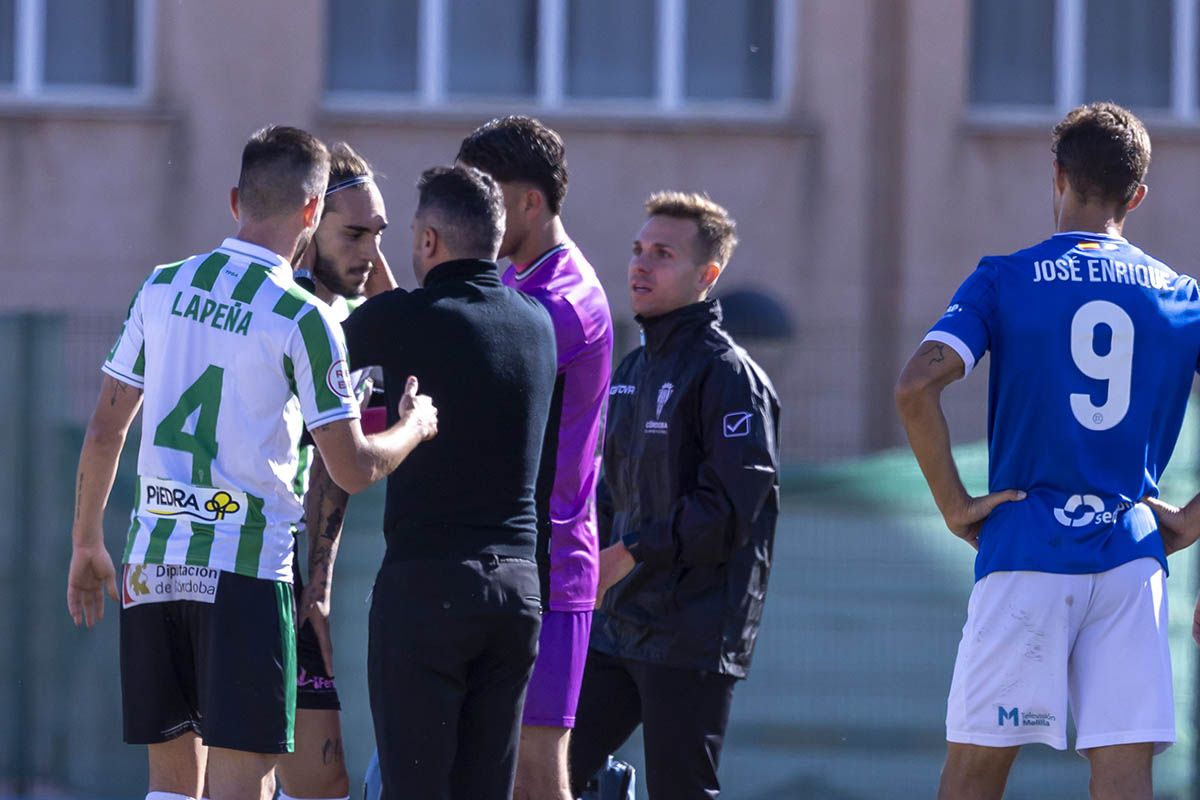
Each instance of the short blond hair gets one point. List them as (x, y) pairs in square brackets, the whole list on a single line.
[(717, 230)]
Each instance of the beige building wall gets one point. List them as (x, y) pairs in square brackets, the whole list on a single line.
[(860, 208), (977, 185)]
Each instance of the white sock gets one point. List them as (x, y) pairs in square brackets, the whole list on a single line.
[(285, 796), (167, 796)]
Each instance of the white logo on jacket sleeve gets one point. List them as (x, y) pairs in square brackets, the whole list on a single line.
[(337, 380), (736, 424)]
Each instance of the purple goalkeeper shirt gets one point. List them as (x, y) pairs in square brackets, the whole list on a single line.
[(564, 282)]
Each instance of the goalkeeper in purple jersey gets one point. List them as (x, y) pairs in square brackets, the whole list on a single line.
[(528, 160)]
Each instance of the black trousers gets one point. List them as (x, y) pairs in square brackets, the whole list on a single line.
[(683, 714), (452, 645)]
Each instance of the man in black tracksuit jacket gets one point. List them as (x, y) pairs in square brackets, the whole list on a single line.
[(691, 464)]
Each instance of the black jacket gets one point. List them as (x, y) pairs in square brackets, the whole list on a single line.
[(691, 459), (486, 355)]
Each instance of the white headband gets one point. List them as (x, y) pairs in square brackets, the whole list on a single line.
[(349, 182)]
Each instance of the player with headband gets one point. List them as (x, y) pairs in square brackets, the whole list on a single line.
[(342, 266)]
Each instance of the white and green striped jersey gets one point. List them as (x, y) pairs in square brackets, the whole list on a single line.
[(340, 308), (234, 359)]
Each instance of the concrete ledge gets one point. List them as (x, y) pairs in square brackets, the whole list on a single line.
[(64, 110), (731, 121)]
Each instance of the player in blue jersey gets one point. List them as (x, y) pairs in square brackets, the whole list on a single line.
[(1094, 345)]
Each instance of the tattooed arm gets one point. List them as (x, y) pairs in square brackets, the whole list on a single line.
[(935, 353), (91, 572), (919, 401), (324, 512)]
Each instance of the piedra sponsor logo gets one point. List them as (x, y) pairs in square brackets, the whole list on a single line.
[(171, 499)]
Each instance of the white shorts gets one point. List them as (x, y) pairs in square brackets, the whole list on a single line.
[(1036, 643)]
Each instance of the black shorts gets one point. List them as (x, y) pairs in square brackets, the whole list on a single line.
[(316, 689), (221, 663)]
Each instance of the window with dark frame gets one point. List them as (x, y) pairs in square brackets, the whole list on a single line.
[(557, 53), (1051, 55)]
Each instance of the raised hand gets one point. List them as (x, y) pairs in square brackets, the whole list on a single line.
[(418, 410)]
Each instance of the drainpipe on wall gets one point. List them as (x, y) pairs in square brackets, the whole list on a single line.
[(887, 95)]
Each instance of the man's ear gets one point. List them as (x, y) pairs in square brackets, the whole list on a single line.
[(1138, 196), (430, 239), (233, 204), (312, 207), (534, 200), (709, 276)]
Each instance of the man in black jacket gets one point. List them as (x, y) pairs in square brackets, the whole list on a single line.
[(456, 609), (691, 461)]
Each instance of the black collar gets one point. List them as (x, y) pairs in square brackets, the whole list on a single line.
[(473, 270), (660, 330)]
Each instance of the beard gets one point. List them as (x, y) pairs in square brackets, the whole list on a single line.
[(325, 271)]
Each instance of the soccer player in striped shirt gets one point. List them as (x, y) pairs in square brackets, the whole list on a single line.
[(231, 359), (345, 265)]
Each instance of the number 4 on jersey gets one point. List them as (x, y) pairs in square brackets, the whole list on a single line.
[(204, 394)]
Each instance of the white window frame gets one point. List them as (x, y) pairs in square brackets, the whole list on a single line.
[(29, 85), (1068, 72), (432, 92)]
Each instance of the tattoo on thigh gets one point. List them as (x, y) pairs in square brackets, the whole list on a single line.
[(331, 752)]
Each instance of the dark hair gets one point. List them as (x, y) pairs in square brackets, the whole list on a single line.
[(520, 149), (717, 231), (281, 168), (468, 204), (1104, 150)]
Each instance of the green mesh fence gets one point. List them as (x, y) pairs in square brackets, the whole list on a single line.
[(846, 698)]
